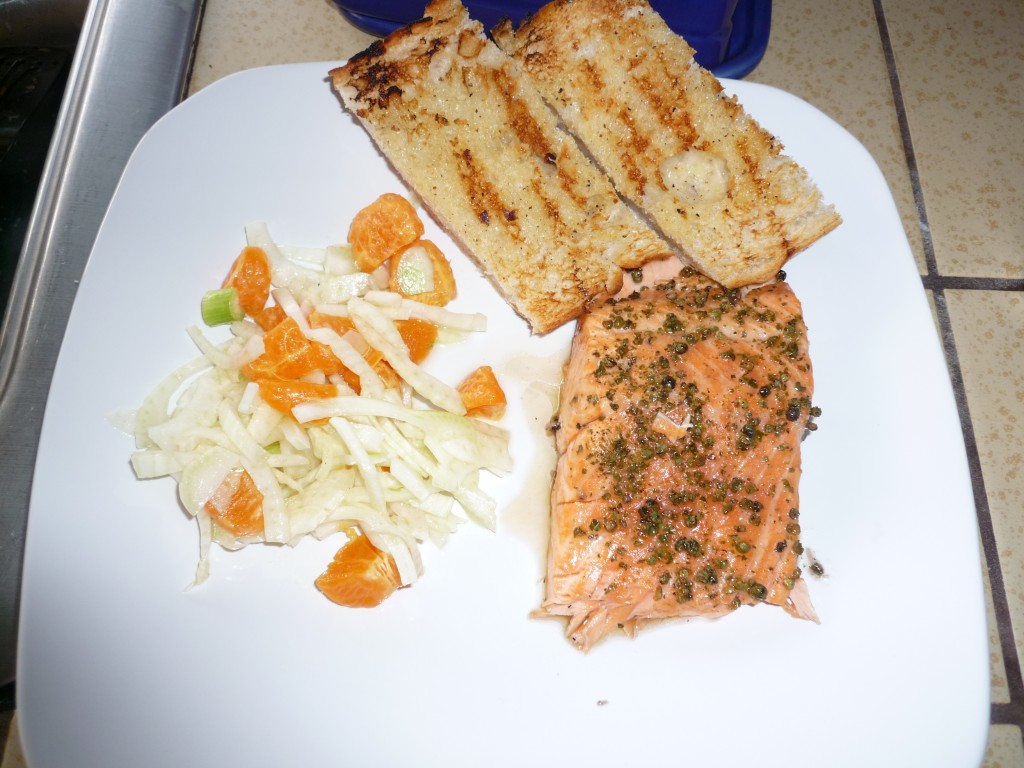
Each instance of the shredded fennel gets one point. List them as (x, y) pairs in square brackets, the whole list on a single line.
[(402, 470)]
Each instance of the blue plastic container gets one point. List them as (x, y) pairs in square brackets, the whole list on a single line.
[(729, 36)]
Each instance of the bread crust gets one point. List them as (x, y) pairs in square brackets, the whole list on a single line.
[(467, 132), (715, 183)]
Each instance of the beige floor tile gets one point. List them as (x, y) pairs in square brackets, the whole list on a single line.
[(13, 756), (830, 55), (1004, 747), (961, 71), (243, 35), (989, 330)]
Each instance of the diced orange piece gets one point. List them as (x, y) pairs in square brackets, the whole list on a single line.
[(288, 354), (261, 368), (287, 347), (360, 576), (250, 276), (268, 317), (482, 395), (237, 505), (443, 289), (419, 336), (340, 325), (381, 229), (324, 359), (352, 379), (388, 374), (383, 369), (284, 395)]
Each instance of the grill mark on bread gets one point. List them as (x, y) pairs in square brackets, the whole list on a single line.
[(674, 116), (377, 87), (762, 188), (576, 189), (737, 222), (462, 126), (636, 145), (482, 195), (591, 75), (522, 122)]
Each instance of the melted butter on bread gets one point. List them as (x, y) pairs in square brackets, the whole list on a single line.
[(695, 176)]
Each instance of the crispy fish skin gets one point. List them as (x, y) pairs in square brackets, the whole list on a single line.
[(678, 437)]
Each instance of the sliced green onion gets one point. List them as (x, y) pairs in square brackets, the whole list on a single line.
[(221, 307)]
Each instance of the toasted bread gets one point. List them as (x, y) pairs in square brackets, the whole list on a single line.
[(463, 127), (712, 180)]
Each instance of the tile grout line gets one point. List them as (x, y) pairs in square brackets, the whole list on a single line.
[(1013, 711), (1000, 713), (945, 282), (908, 146)]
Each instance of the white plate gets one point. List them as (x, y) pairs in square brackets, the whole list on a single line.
[(120, 666)]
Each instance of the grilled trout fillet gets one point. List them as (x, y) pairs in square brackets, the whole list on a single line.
[(475, 141), (678, 437), (713, 181)]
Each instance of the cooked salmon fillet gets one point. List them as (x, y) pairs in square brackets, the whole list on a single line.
[(678, 437)]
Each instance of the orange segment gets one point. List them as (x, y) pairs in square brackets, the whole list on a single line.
[(284, 395), (287, 347), (419, 336), (380, 229), (288, 354), (237, 505), (322, 358), (268, 317), (360, 576), (340, 325), (382, 368), (482, 395), (250, 276), (443, 289)]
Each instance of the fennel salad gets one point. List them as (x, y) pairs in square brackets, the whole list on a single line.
[(315, 416)]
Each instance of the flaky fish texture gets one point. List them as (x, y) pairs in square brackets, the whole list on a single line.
[(676, 490)]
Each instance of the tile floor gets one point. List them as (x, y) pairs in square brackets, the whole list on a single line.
[(935, 90)]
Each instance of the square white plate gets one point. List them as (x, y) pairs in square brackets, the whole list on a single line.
[(119, 665)]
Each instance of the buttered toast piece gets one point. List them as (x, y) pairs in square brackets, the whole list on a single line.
[(713, 181), (463, 127)]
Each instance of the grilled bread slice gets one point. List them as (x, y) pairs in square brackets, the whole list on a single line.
[(463, 127), (713, 181)]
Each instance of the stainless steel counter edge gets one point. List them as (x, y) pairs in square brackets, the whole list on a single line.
[(130, 68)]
